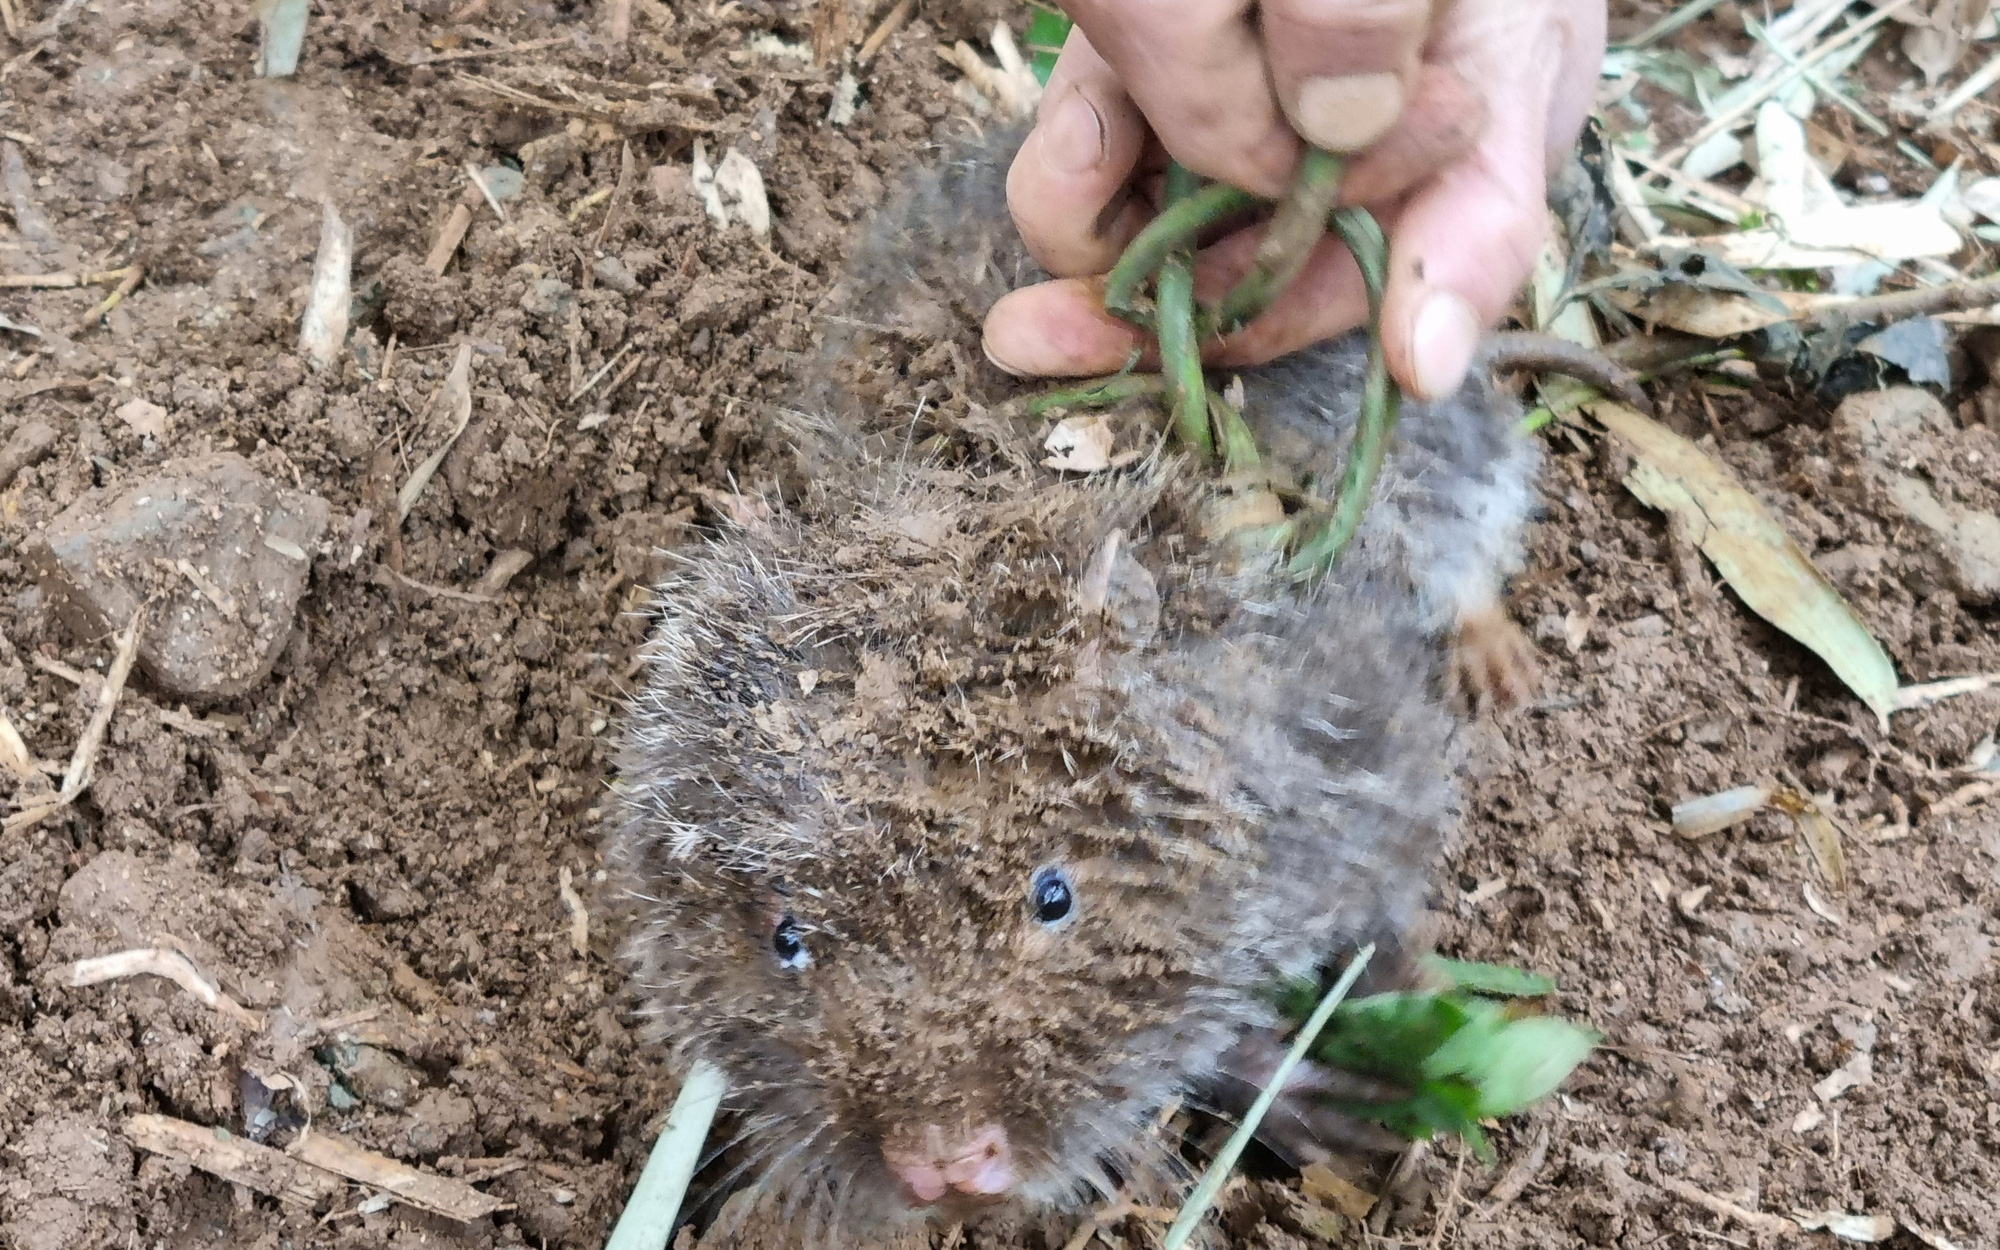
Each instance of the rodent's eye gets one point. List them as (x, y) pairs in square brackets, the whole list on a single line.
[(791, 947), (1050, 896)]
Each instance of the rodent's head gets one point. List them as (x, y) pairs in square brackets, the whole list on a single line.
[(960, 902), (983, 992)]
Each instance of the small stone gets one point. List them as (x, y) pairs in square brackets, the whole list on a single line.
[(611, 271), (146, 419), (193, 539), (372, 1074), (718, 303), (549, 300), (547, 159)]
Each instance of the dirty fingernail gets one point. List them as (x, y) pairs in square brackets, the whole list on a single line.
[(1071, 135), (1347, 113), (1445, 336)]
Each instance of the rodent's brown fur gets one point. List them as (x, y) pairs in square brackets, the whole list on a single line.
[(884, 709)]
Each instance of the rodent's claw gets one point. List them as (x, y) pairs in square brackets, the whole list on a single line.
[(1303, 1125), (1493, 666)]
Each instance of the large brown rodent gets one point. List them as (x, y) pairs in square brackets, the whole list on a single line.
[(974, 809)]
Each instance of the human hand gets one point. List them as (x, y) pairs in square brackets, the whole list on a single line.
[(1455, 111)]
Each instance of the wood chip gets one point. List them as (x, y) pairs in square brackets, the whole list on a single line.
[(579, 916), (449, 237), (440, 1195), (221, 1153)]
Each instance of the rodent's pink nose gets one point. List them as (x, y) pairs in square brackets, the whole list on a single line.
[(980, 1165)]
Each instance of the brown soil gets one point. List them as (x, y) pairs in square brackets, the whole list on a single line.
[(380, 828)]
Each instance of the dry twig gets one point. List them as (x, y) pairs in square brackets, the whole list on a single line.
[(134, 275), (158, 961), (889, 26), (1756, 1221), (78, 776)]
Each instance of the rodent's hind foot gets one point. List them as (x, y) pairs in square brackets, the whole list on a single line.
[(1493, 668)]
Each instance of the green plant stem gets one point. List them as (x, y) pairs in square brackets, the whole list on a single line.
[(1180, 354), (1219, 1168), (1381, 404), (1179, 226), (650, 1214), (1102, 393), (1239, 446), (1288, 243)]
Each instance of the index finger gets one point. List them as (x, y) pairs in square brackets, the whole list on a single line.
[(1196, 70)]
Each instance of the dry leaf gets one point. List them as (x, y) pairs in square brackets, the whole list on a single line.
[(456, 396), (1330, 1189), (1847, 1225), (324, 327), (742, 190), (1752, 552), (1079, 444), (1821, 834)]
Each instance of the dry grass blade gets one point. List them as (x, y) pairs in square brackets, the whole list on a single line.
[(1728, 119), (134, 275), (77, 777), (457, 397), (1752, 552), (1219, 1168)]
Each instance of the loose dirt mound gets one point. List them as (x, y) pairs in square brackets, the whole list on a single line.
[(367, 848)]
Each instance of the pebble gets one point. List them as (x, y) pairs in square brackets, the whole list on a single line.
[(223, 554)]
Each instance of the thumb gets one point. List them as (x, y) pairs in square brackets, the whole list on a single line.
[(1460, 250)]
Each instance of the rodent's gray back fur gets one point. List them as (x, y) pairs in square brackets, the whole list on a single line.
[(938, 670)]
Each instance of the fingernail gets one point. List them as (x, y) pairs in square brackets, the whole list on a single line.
[(986, 345), (1072, 135), (1349, 113), (1441, 346)]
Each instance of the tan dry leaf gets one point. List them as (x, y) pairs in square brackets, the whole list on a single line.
[(1752, 552), (456, 396), (1821, 834), (1330, 1189), (1847, 1225), (1079, 444), (1710, 314)]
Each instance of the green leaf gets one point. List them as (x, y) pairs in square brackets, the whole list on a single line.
[(1489, 978), (1047, 29), (1390, 1035), (1525, 1062)]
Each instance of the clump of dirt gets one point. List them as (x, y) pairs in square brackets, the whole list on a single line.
[(367, 847)]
